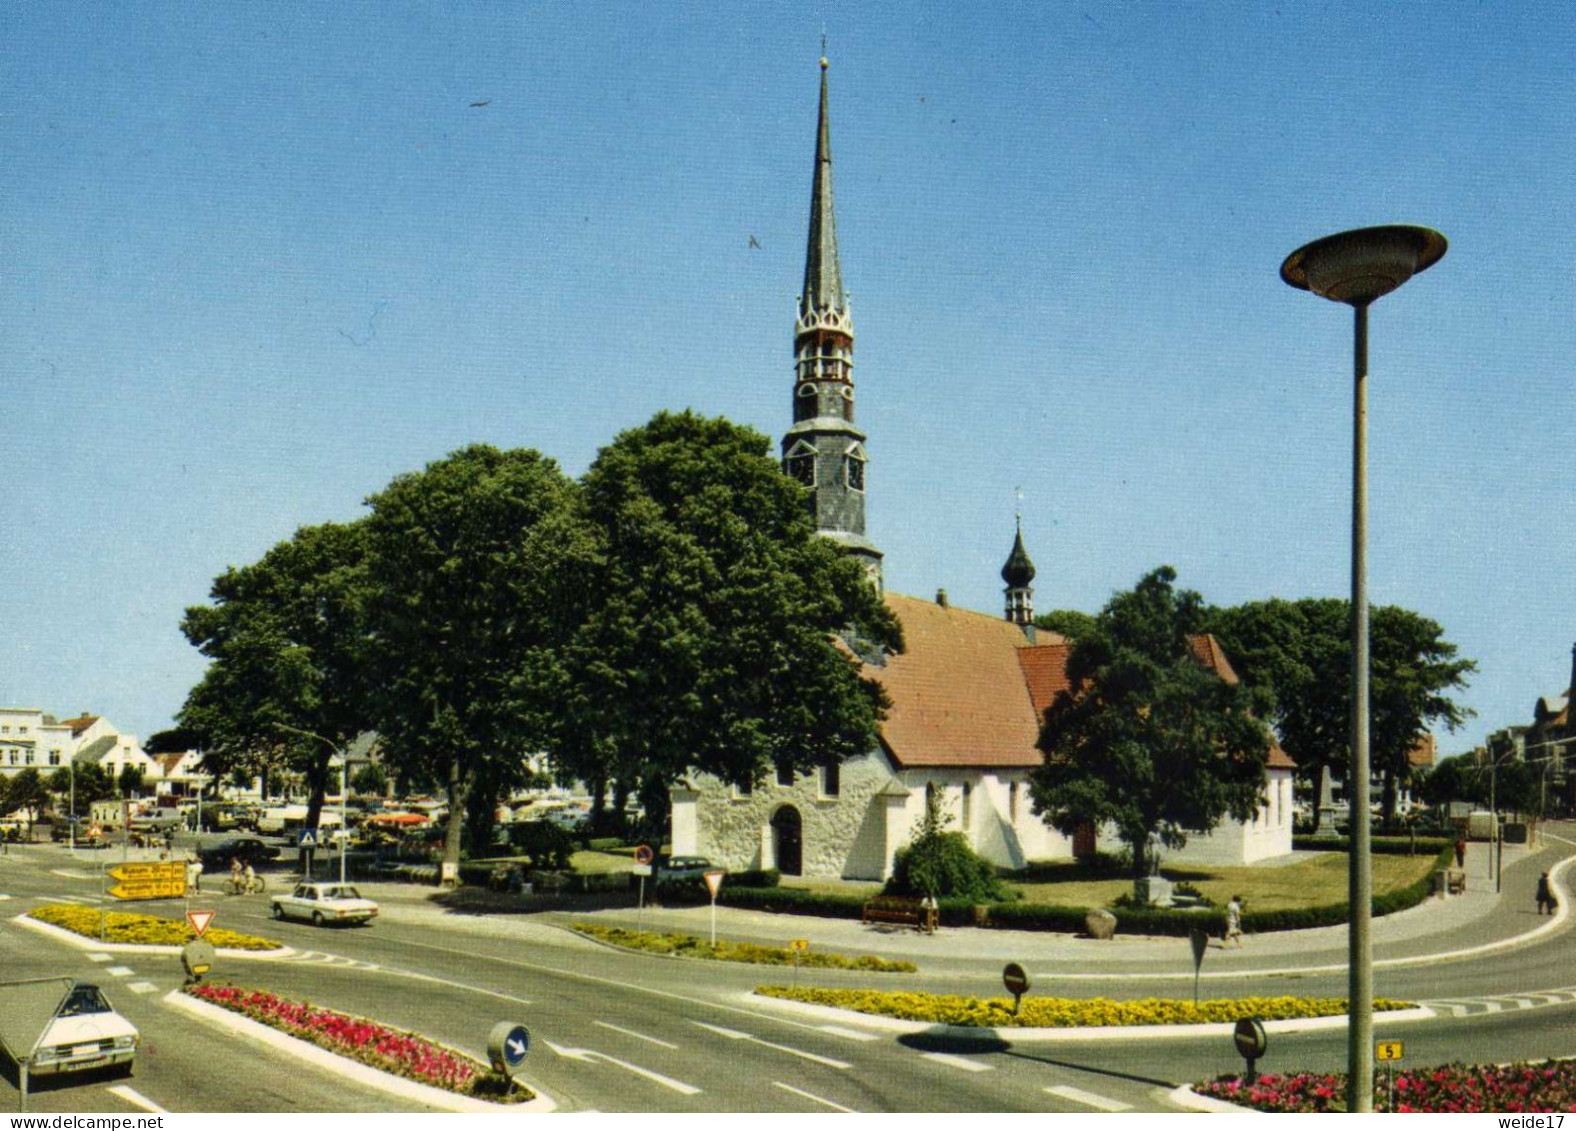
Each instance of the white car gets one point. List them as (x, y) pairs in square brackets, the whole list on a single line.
[(86, 1033), (324, 903)]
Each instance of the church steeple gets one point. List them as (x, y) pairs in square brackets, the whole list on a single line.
[(1018, 573), (823, 449)]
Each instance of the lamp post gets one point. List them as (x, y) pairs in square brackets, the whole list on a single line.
[(1357, 267)]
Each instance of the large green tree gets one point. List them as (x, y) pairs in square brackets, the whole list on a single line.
[(1300, 651), (1146, 737), (710, 640), (25, 792), (285, 639), (473, 569)]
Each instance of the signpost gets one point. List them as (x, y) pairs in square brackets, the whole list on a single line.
[(713, 885), (643, 858), (507, 1045), (1251, 1043), (798, 947), (199, 921), (1200, 941), (1387, 1053), (1017, 983), (151, 879), (307, 843)]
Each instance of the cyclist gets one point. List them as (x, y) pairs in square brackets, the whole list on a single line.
[(250, 878), (235, 874)]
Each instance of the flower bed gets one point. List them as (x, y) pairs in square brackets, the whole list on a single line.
[(141, 930), (687, 946), (402, 1054), (1063, 1013), (1548, 1086)]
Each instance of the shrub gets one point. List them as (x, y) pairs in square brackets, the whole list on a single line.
[(141, 930), (937, 863), (1063, 1013), (687, 946), (1546, 1086), (1380, 845), (543, 843)]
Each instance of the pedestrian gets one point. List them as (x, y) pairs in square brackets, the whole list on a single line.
[(1461, 852), (1546, 900), (1233, 921), (194, 873)]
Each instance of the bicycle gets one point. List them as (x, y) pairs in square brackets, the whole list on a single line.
[(242, 886)]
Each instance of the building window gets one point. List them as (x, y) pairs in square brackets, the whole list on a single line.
[(967, 807), (856, 473), (743, 789), (784, 772), (831, 778), (54, 757), (1012, 804), (800, 463)]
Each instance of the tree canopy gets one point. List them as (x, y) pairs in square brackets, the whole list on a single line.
[(1300, 652), (708, 642), (1146, 737)]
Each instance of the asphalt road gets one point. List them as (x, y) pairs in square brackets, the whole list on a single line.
[(618, 1032)]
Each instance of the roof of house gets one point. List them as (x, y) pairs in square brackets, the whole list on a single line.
[(80, 723), (1424, 753), (971, 689)]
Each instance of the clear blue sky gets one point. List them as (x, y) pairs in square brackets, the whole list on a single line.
[(255, 260)]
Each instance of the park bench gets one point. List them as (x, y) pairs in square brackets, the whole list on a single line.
[(899, 909)]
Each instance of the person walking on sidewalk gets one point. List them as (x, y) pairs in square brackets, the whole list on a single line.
[(1233, 921), (1546, 900), (1461, 852)]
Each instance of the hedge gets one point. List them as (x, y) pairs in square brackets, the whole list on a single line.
[(1379, 845), (1174, 922)]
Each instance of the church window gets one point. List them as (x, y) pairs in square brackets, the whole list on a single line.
[(831, 778), (744, 787), (856, 473), (1012, 803), (802, 468), (784, 772), (968, 807), (54, 757)]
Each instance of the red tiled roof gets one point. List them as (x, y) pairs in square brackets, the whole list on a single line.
[(79, 724), (971, 689), (959, 697), (1423, 753)]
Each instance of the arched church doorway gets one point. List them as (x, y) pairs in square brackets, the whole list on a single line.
[(788, 840)]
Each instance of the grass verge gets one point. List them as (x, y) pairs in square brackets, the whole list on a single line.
[(389, 1050), (1063, 1013), (1466, 1088), (141, 930), (688, 946)]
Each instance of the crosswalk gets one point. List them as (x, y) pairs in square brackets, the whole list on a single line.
[(1503, 1003)]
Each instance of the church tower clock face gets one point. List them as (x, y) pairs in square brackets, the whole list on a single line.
[(823, 451)]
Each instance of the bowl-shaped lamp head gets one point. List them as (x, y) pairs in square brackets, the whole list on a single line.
[(1359, 266)]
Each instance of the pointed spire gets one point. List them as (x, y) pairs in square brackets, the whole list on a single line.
[(823, 274)]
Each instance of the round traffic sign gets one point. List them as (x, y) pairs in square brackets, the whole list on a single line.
[(1250, 1039), (644, 855), (507, 1045), (1014, 978)]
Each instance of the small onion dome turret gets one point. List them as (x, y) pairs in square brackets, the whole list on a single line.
[(1019, 570)]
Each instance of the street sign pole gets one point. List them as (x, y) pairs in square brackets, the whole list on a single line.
[(713, 885)]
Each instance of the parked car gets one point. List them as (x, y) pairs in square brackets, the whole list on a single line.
[(682, 870), (324, 903), (246, 849), (86, 1033)]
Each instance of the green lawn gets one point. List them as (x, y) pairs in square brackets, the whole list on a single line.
[(1314, 882)]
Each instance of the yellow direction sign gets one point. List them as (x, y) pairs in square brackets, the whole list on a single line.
[(1388, 1050), (149, 879), (799, 946)]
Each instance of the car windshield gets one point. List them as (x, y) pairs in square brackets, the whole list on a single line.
[(83, 999)]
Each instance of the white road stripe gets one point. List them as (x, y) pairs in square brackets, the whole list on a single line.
[(851, 1034), (141, 987), (98, 956), (655, 1077), (638, 1036), (735, 1035), (962, 1062), (1088, 1099), (808, 1096), (3, 897), (132, 1096), (72, 873), (118, 971), (1522, 1002)]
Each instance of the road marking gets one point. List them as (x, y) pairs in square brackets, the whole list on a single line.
[(118, 971), (98, 956), (1088, 1099), (639, 1036), (132, 1096), (808, 1096), (590, 1055), (954, 1061), (72, 873), (3, 897), (851, 1034), (735, 1035), (141, 987)]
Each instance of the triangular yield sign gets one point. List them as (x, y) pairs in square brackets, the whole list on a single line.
[(199, 920), (713, 882)]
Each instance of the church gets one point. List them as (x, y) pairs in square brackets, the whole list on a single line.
[(968, 694)]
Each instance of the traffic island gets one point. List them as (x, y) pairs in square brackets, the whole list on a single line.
[(1547, 1086), (688, 946), (405, 1064), (130, 928)]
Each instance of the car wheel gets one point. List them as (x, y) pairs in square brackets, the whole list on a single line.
[(317, 918), (279, 912)]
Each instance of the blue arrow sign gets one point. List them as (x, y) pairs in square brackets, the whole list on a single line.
[(515, 1046)]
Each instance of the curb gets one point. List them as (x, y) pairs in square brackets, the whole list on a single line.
[(85, 943), (1185, 1097), (344, 1066), (1052, 1036)]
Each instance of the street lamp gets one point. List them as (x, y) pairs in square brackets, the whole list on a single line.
[(1357, 267)]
